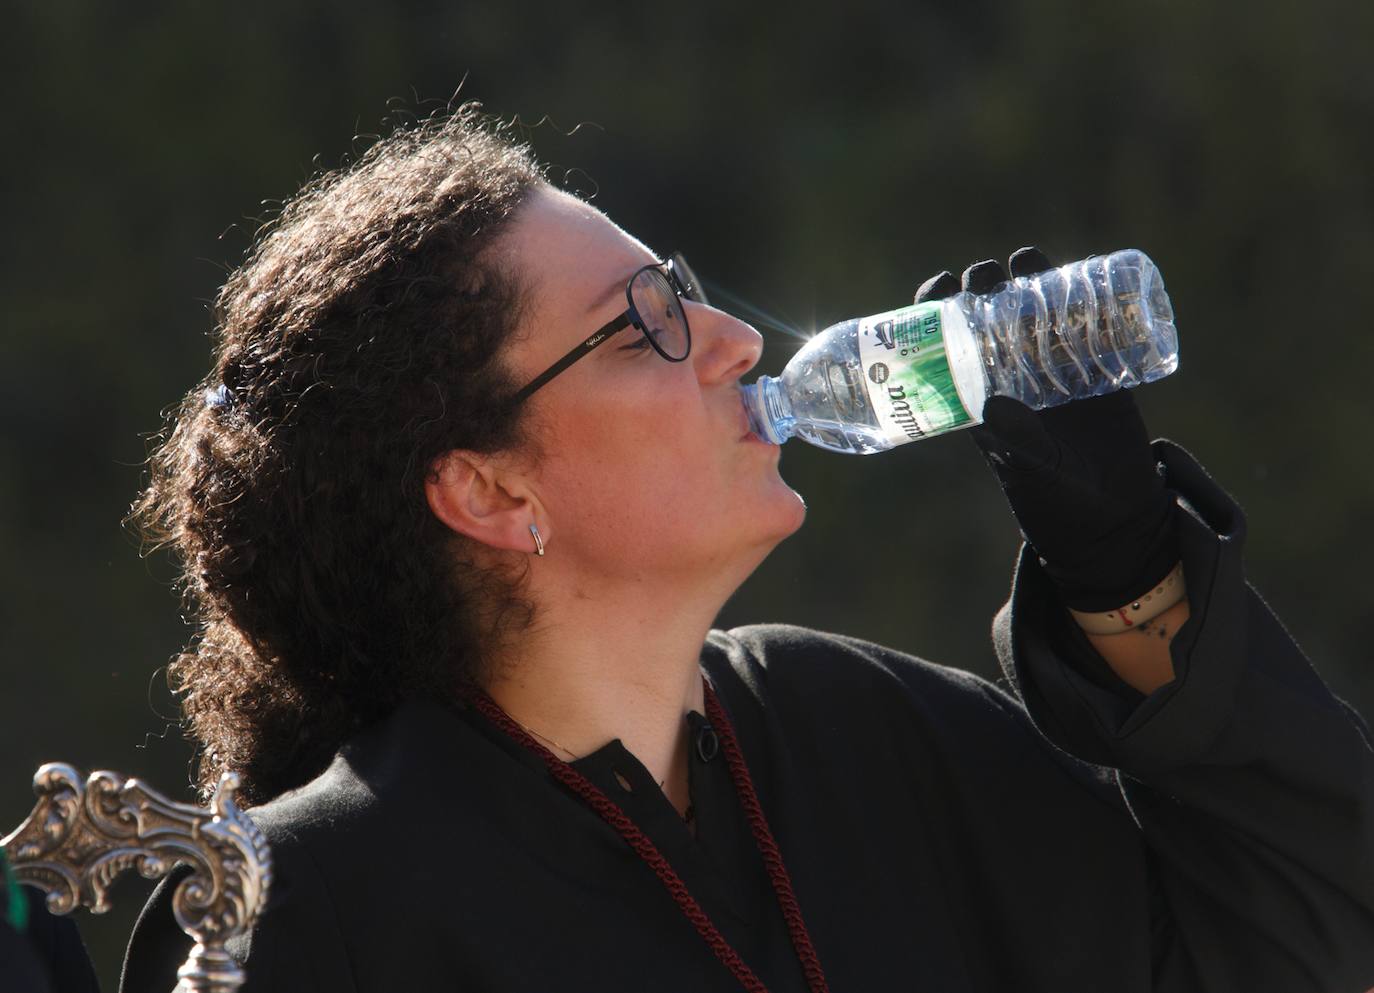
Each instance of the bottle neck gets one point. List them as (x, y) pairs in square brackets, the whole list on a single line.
[(769, 410)]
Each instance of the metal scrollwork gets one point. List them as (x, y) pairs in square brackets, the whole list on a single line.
[(79, 838)]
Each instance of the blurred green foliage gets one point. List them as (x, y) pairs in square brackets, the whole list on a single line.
[(819, 165)]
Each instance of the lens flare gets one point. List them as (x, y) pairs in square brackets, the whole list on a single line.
[(756, 314)]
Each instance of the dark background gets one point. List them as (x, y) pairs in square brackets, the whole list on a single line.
[(818, 166)]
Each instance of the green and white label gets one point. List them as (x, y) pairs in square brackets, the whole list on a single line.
[(907, 370)]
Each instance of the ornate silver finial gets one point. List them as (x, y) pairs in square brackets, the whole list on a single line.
[(79, 839)]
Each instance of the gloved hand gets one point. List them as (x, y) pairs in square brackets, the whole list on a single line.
[(1081, 478)]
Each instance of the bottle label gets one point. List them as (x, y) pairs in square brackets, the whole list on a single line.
[(907, 372)]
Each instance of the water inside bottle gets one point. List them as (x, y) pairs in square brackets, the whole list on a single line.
[(828, 402), (852, 439)]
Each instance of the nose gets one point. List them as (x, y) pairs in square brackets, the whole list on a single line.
[(724, 348)]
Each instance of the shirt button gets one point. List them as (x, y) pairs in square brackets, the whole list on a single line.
[(707, 743)]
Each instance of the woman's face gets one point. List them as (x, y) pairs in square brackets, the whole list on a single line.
[(648, 469)]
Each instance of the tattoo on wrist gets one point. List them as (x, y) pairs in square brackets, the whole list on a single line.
[(1153, 629)]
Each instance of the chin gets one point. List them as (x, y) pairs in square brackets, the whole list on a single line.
[(798, 506), (786, 513)]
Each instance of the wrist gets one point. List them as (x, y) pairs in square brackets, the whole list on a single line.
[(1100, 569), (1165, 594)]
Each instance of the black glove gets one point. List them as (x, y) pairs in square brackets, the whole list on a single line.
[(1081, 478)]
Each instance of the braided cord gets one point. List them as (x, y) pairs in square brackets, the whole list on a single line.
[(637, 840), (607, 809), (768, 847)]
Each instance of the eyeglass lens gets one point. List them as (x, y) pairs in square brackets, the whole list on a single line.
[(659, 307)]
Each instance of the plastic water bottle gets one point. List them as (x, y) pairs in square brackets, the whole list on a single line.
[(869, 384)]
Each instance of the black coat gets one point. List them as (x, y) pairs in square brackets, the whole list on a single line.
[(941, 834)]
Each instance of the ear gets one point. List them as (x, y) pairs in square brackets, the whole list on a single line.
[(475, 496)]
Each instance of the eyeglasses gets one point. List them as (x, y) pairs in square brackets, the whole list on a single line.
[(653, 294)]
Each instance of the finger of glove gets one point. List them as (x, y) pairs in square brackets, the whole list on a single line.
[(983, 277), (1028, 261), (1014, 439), (938, 287)]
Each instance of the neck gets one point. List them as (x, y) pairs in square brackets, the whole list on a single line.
[(589, 676)]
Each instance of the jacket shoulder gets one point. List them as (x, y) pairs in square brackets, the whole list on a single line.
[(783, 656)]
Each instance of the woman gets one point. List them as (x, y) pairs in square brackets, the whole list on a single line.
[(457, 534)]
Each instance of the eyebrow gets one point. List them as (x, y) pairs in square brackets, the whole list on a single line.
[(606, 295)]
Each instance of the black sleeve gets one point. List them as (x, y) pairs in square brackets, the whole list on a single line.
[(158, 945), (1252, 784)]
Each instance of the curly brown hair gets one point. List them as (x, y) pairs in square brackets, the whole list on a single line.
[(359, 341)]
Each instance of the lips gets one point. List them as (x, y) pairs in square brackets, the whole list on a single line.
[(747, 433)]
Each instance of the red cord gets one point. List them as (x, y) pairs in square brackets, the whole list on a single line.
[(768, 848), (606, 808)]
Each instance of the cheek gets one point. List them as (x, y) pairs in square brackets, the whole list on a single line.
[(623, 469)]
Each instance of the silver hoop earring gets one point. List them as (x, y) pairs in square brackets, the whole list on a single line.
[(538, 541)]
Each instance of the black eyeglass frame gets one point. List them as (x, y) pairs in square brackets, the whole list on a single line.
[(680, 281)]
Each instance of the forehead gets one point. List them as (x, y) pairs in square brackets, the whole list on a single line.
[(572, 263), (569, 251)]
